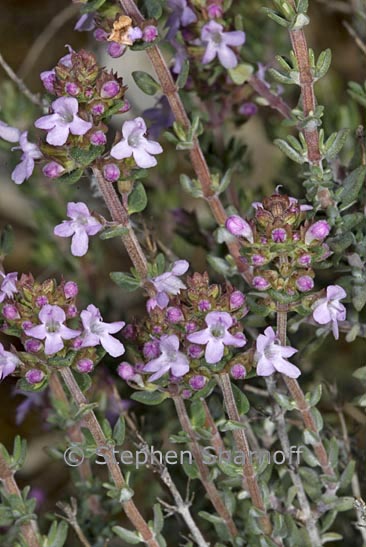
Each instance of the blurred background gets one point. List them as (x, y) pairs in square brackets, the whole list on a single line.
[(33, 35)]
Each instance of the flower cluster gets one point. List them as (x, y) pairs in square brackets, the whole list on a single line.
[(45, 318)]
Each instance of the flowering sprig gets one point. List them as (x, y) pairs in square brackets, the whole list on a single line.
[(81, 226)]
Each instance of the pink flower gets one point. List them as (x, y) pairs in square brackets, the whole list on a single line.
[(272, 357), (170, 359), (63, 121), (81, 226), (30, 152), (52, 329), (317, 231), (135, 144), (8, 285), (329, 309), (97, 332), (216, 336), (217, 42), (8, 362), (168, 283), (239, 227)]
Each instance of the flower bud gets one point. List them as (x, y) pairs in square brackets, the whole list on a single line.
[(258, 260), (98, 138), (194, 351), (151, 349), (279, 235), (305, 283), (135, 33), (97, 109), (214, 11), (52, 170), (32, 345), (260, 283), (174, 315), (150, 33), (48, 78), (84, 365), (125, 108), (239, 227), (129, 332), (186, 393), (197, 382), (248, 109), (238, 371), (237, 299), (77, 343), (71, 312), (116, 50), (204, 305), (110, 89), (318, 231), (10, 312), (304, 260), (100, 35), (72, 89), (190, 327), (34, 376), (111, 172), (71, 289), (125, 371), (41, 301)]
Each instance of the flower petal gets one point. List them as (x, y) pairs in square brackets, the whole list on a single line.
[(265, 367), (79, 243), (114, 347), (214, 351), (287, 368)]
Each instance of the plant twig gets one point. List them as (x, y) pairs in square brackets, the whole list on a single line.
[(210, 488), (274, 101), (28, 529), (71, 517), (35, 99), (197, 158), (90, 421), (216, 438)]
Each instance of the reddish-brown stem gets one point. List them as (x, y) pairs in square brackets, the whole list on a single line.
[(197, 158), (274, 101), (301, 50), (209, 486), (242, 445), (299, 397), (120, 215), (216, 438), (28, 529), (90, 421)]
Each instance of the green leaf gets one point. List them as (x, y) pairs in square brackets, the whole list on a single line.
[(119, 431), (315, 396), (198, 415), (214, 519), (331, 536), (72, 177), (145, 82), (335, 143), (91, 6), (57, 534), (352, 186), (241, 73), (117, 231), (158, 518), (241, 400), (281, 78), (153, 8), (323, 63), (130, 537), (137, 200), (149, 397), (183, 75), (6, 240), (347, 475), (83, 158), (231, 425), (125, 281), (289, 151)]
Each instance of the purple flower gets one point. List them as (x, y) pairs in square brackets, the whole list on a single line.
[(217, 42), (279, 235), (180, 56), (329, 309), (30, 152), (217, 336), (98, 138), (317, 231), (126, 371), (305, 283), (116, 50), (303, 207), (63, 121), (237, 299), (160, 117), (8, 285), (10, 312), (52, 329), (239, 227), (85, 365), (81, 226), (34, 376), (52, 170), (97, 332), (48, 78), (170, 359), (214, 11), (260, 283), (110, 89), (272, 357), (71, 289), (238, 371), (85, 22), (8, 362), (111, 172), (135, 144), (181, 15), (168, 283), (174, 315), (197, 382), (150, 33), (248, 109)]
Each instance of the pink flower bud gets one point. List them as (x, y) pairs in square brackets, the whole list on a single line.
[(239, 227), (135, 33), (34, 376), (186, 393), (237, 299), (197, 382), (125, 371), (10, 312), (194, 351), (204, 305), (279, 235), (190, 327), (129, 332), (72, 89), (71, 312), (98, 138), (116, 50), (258, 260), (71, 289), (248, 109), (32, 345), (305, 283), (84, 365), (150, 33), (110, 89), (304, 260), (100, 35), (238, 372), (214, 11), (97, 109), (41, 301), (260, 283), (318, 231), (151, 349), (52, 170), (125, 108), (111, 172), (174, 315), (77, 343), (48, 78)]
